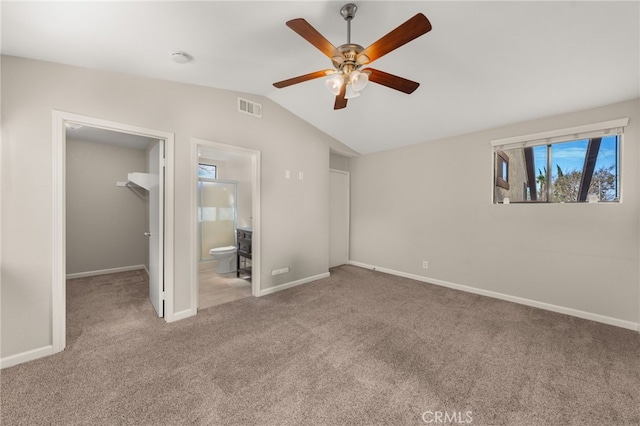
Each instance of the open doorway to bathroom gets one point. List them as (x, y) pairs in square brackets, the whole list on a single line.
[(226, 210)]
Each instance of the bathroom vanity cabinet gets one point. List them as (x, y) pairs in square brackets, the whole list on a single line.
[(244, 252)]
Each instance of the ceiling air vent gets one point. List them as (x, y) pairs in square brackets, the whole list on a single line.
[(249, 107)]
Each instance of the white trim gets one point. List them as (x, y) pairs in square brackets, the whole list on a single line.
[(183, 314), (515, 299), (285, 286), (169, 234), (59, 237), (106, 271), (58, 297), (194, 254), (594, 127), (16, 359), (340, 171), (255, 211)]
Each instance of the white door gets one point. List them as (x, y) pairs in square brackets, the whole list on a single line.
[(338, 218), (156, 228)]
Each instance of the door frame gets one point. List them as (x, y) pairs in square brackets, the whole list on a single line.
[(59, 285), (157, 213), (255, 206)]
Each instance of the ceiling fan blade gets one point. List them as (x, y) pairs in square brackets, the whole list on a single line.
[(303, 78), (411, 29), (392, 81), (306, 31), (341, 101)]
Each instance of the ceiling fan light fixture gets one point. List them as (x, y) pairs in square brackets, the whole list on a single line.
[(358, 80), (334, 84), (349, 58), (350, 92)]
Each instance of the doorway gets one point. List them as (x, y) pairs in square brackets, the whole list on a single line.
[(225, 216), (165, 206)]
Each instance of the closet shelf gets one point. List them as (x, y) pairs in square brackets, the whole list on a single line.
[(143, 180)]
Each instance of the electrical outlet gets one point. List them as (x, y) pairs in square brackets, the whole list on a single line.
[(425, 264), (279, 271)]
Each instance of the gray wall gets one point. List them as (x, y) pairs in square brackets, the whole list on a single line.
[(105, 223), (294, 213), (433, 201), (339, 162)]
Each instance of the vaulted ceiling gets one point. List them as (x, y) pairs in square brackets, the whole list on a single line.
[(484, 64)]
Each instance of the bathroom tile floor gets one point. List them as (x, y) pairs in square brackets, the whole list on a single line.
[(216, 289)]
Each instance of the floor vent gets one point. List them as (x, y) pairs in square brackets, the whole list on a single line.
[(249, 107)]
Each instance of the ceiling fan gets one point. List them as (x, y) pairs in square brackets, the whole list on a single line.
[(348, 59)]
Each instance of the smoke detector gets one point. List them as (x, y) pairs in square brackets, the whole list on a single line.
[(180, 57)]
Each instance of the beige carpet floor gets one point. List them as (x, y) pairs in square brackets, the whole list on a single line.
[(358, 348)]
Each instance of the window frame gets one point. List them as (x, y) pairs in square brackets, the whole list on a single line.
[(201, 163), (502, 169), (588, 131)]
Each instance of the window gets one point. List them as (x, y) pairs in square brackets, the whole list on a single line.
[(207, 171), (581, 164), (502, 170)]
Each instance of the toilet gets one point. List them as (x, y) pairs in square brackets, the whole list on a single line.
[(226, 257)]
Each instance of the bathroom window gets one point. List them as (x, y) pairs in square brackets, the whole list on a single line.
[(209, 171), (227, 213), (208, 214)]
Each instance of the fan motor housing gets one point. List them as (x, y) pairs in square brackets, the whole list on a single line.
[(350, 54)]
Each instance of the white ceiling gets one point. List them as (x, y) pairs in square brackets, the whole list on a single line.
[(484, 64)]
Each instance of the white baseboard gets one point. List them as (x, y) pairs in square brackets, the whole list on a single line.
[(181, 315), (16, 359), (106, 271), (515, 299), (292, 284)]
